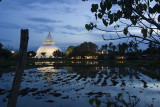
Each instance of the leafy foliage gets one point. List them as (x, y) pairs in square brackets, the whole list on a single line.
[(31, 54), (7, 54), (69, 50), (127, 15), (85, 49), (1, 46), (90, 26), (58, 54), (111, 51)]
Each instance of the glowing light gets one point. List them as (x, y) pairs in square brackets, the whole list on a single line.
[(12, 52)]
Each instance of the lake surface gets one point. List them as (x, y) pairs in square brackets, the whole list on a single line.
[(75, 86)]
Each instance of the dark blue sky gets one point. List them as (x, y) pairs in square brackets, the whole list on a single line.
[(65, 19)]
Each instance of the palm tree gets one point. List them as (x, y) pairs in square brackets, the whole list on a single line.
[(130, 45), (120, 48), (105, 46), (110, 45), (102, 48), (114, 48), (124, 47), (135, 46)]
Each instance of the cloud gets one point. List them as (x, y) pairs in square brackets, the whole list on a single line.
[(44, 2), (88, 17), (68, 33), (51, 1), (7, 25), (43, 20), (67, 10), (41, 28), (30, 4), (69, 27)]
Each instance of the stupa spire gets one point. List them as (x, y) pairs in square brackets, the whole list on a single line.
[(49, 40)]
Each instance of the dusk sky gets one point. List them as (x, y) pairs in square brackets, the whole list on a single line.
[(65, 19)]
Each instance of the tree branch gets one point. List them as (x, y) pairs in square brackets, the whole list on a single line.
[(131, 36), (148, 20), (107, 30)]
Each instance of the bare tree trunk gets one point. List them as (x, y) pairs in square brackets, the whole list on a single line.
[(19, 69)]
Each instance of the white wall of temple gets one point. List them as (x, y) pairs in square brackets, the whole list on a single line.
[(48, 50)]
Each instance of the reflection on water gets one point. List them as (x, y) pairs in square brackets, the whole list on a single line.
[(74, 86), (121, 62), (43, 63), (49, 69), (64, 62)]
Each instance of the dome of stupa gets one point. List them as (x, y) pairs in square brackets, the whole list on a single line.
[(48, 48)]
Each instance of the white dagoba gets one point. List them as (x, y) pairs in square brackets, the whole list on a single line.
[(48, 48)]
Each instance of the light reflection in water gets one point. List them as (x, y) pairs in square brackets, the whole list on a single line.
[(48, 69), (48, 72), (44, 63), (69, 86), (64, 62), (120, 62)]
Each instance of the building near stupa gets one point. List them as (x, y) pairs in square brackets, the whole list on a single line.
[(47, 49)]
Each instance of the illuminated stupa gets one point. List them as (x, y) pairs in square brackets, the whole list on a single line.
[(47, 49)]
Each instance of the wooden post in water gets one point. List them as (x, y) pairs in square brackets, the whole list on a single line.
[(19, 69)]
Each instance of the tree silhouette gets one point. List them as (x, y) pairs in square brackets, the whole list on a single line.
[(85, 49), (1, 46), (104, 47), (43, 54), (69, 50), (31, 54), (110, 45), (122, 48), (57, 54), (114, 48), (135, 46), (143, 15), (130, 45)]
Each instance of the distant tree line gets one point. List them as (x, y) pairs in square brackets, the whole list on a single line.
[(130, 50), (7, 54), (82, 50)]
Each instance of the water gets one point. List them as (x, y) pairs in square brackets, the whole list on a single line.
[(75, 86)]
